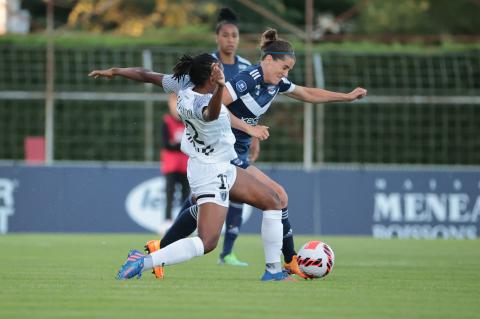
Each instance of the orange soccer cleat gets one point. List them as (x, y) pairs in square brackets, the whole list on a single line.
[(292, 268), (150, 247)]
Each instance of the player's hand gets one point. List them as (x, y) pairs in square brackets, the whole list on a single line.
[(254, 150), (102, 73), (259, 131), (357, 94), (217, 74)]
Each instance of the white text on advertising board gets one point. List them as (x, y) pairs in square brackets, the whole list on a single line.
[(429, 214)]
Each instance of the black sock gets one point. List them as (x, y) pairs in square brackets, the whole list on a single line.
[(233, 223), (184, 225), (186, 204), (288, 247)]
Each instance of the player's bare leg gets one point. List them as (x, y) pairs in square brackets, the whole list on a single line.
[(211, 217)]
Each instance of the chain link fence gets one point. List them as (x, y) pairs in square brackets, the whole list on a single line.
[(421, 109)]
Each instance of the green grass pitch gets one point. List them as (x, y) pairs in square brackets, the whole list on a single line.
[(72, 276)]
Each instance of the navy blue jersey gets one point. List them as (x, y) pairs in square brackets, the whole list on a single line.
[(251, 99), (230, 70)]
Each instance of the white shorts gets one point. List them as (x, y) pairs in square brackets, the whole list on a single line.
[(211, 183)]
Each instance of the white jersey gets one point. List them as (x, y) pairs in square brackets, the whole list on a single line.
[(207, 142)]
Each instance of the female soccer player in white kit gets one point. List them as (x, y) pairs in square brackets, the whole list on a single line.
[(227, 36), (208, 141)]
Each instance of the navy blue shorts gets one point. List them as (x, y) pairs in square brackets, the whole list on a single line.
[(242, 153)]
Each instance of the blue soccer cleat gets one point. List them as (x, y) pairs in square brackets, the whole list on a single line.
[(278, 276), (133, 266)]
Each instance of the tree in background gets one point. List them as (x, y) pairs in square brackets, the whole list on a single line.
[(455, 17), (419, 17), (365, 17), (400, 17), (135, 17)]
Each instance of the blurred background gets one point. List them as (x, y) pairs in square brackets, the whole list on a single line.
[(419, 60)]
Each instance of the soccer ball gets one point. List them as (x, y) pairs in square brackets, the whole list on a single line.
[(315, 259)]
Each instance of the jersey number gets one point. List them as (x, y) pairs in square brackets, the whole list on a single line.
[(194, 138), (223, 179)]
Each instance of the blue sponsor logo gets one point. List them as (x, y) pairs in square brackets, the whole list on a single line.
[(272, 90), (251, 120)]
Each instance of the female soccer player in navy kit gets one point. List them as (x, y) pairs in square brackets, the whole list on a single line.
[(249, 95), (208, 141)]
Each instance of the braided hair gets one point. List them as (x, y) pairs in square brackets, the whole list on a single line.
[(198, 68)]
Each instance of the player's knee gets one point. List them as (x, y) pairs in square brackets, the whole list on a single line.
[(273, 202), (209, 243), (282, 194)]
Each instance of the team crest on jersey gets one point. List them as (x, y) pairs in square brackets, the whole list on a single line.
[(223, 195), (241, 86)]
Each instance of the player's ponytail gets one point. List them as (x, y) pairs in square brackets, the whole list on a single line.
[(198, 68), (271, 44), (225, 16), (268, 37)]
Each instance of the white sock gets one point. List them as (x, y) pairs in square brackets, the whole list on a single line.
[(272, 237), (177, 252), (147, 262)]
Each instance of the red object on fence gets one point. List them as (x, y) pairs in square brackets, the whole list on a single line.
[(34, 149)]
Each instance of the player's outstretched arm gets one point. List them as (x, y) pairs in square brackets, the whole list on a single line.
[(316, 95), (135, 74)]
